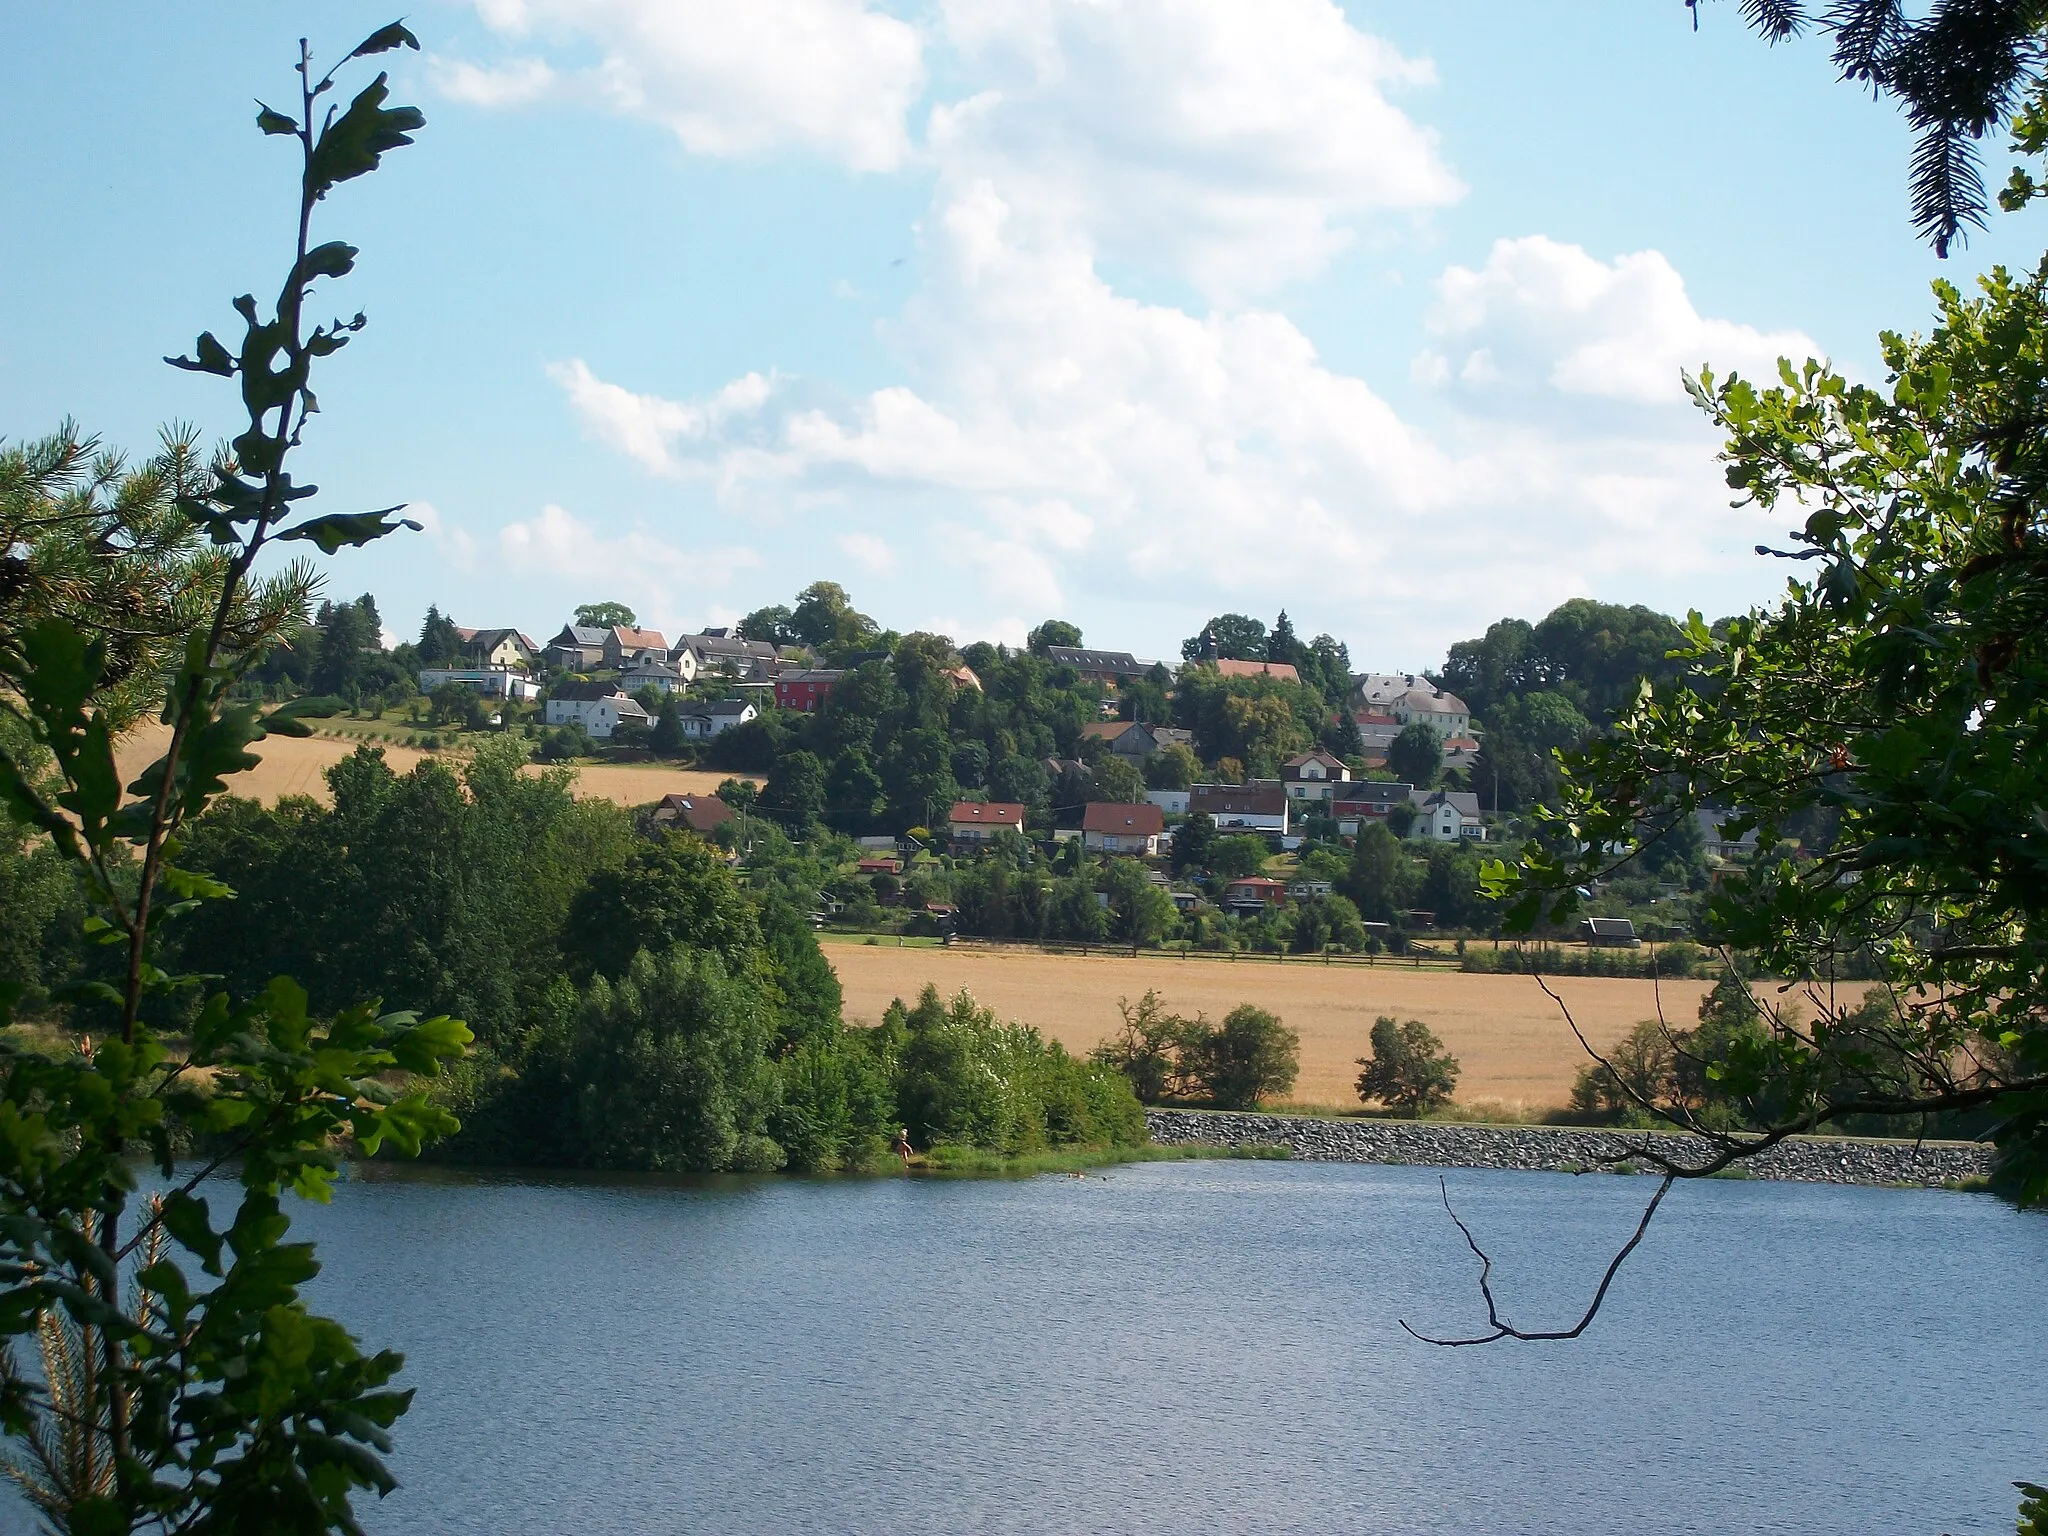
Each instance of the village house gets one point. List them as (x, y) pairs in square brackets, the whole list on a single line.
[(1281, 671), (972, 823), (1314, 776), (703, 721), (1447, 816), (1365, 800), (702, 814), (600, 708), (727, 655), (1126, 738), (505, 648), (1714, 834), (648, 671), (1253, 894), (577, 648), (1110, 667), (804, 689), (625, 645), (1408, 697), (492, 682), (1261, 807), (1107, 828), (1172, 802), (964, 676)]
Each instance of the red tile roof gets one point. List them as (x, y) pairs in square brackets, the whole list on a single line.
[(1123, 820), (987, 813), (1283, 670)]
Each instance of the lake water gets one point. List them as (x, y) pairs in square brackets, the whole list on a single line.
[(1195, 1347)]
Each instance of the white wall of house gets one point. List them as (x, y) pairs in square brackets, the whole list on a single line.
[(600, 717), (1174, 802), (496, 682)]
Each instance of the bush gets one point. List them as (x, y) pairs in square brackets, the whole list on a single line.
[(1408, 1070), (963, 1077), (1250, 1057)]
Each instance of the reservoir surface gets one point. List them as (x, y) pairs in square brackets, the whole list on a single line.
[(1191, 1348)]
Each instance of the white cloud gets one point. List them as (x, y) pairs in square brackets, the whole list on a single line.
[(833, 77), (1052, 443), (871, 554), (514, 83), (667, 585), (1234, 145), (1623, 330)]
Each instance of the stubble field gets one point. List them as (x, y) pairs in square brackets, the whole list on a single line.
[(1512, 1044), (297, 765)]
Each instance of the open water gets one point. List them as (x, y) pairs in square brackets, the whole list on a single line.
[(1192, 1348)]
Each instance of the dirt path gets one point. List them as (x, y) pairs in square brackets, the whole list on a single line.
[(1511, 1043)]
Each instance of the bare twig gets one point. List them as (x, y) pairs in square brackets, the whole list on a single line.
[(1502, 1329)]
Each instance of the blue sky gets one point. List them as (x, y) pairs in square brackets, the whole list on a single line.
[(1128, 311)]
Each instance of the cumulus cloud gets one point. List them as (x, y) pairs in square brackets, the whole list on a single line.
[(1625, 329), (871, 554), (667, 584), (833, 77), (1233, 145), (1052, 440), (513, 83)]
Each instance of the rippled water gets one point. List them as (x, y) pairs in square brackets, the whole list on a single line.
[(1206, 1348)]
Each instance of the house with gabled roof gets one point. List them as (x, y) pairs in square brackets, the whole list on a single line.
[(624, 645), (601, 708), (973, 823), (1126, 738), (702, 814), (1314, 776), (578, 648), (705, 720), (1115, 828), (1111, 667), (1447, 816), (727, 655), (1261, 807), (502, 648)]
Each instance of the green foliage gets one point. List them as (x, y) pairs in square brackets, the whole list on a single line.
[(605, 616), (1238, 855), (664, 1068), (964, 1077), (102, 545), (1408, 1070), (224, 1403), (1165, 1056), (1902, 689), (1049, 634), (1416, 756), (672, 890), (1381, 882), (1250, 1056)]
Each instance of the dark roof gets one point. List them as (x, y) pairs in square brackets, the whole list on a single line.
[(1372, 792), (1293, 766), (700, 813), (576, 634), (726, 645), (575, 690), (988, 813), (1136, 820), (811, 675), (490, 639), (1238, 799), (1084, 660)]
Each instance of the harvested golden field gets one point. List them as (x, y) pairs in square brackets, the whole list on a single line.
[(1513, 1046), (296, 765)]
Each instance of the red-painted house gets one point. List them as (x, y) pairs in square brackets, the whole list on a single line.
[(804, 688)]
